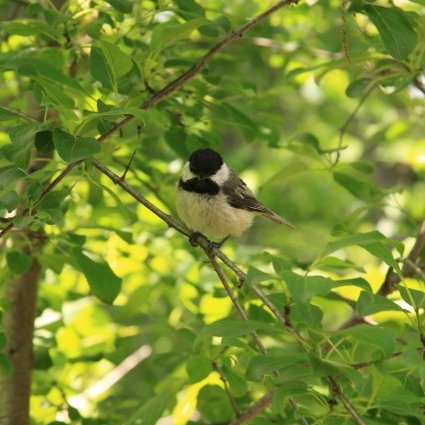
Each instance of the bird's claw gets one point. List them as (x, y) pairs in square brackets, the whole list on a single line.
[(193, 238)]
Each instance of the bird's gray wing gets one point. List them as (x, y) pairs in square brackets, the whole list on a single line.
[(239, 195)]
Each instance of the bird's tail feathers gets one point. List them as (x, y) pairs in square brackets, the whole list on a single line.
[(277, 218)]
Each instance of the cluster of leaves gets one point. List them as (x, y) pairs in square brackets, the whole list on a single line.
[(330, 124)]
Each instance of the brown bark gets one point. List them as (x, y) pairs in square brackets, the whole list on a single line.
[(18, 325)]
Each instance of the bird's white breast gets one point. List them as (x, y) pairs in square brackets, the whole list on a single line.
[(211, 214)]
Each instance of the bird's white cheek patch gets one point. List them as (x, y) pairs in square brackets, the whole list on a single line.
[(221, 176), (186, 173)]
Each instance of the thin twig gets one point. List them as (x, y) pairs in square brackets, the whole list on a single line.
[(232, 296), (127, 167), (255, 409), (391, 279), (348, 406), (232, 400), (19, 113), (343, 128), (279, 316), (344, 40)]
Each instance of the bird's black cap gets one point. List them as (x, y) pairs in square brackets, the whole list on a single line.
[(205, 162)]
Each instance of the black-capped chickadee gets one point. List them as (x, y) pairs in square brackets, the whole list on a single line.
[(213, 200)]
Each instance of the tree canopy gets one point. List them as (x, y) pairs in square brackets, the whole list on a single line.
[(110, 315)]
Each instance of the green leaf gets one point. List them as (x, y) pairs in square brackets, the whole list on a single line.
[(151, 411), (267, 364), (190, 6), (412, 296), (44, 142), (377, 336), (113, 114), (255, 276), (302, 288), (357, 88), (19, 154), (306, 315), (353, 240), (9, 114), (237, 384), (330, 262), (28, 27), (394, 28), (103, 282), (18, 262), (53, 94), (373, 242), (356, 281), (214, 405), (198, 368), (381, 251), (108, 63), (322, 367), (369, 303), (10, 176), (280, 264), (9, 200), (54, 199), (39, 67), (171, 32), (123, 6), (72, 148), (359, 187), (33, 191), (233, 328)]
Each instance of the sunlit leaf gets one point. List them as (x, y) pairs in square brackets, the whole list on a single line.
[(369, 303), (412, 296), (103, 282), (72, 148), (394, 28)]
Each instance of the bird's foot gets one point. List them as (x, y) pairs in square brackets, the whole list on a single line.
[(214, 246), (193, 238)]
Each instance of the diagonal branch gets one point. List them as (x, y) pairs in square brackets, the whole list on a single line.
[(211, 253), (347, 404), (255, 409), (391, 279), (232, 296)]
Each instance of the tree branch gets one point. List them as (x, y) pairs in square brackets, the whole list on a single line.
[(232, 296), (255, 409), (348, 406), (18, 325)]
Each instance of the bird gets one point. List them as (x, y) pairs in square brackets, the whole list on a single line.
[(213, 200)]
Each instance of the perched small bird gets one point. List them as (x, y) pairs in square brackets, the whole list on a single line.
[(211, 198)]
